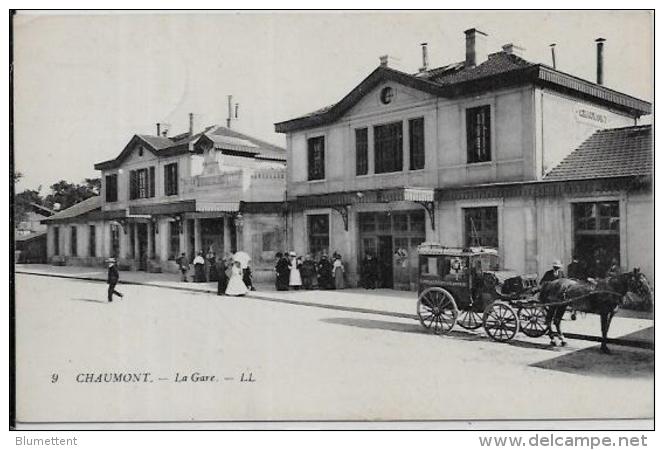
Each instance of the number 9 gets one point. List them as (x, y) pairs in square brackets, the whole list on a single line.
[(54, 378)]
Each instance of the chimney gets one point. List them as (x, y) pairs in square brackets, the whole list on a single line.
[(191, 124), (512, 49), (425, 58), (600, 60), (384, 60), (476, 52), (553, 55), (230, 111), (158, 129)]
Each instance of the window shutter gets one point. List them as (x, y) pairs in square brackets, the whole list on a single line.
[(151, 181), (487, 133), (132, 184)]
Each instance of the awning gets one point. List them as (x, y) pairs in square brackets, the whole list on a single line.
[(225, 207), (418, 194), (162, 208), (410, 194)]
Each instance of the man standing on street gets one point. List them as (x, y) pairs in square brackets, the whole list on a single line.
[(113, 277), (183, 262)]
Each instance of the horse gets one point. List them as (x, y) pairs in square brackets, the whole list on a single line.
[(603, 298)]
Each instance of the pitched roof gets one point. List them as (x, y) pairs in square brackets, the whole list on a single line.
[(76, 210), (169, 146), (501, 69), (613, 152)]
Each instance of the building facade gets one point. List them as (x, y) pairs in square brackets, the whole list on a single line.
[(218, 190), (461, 155)]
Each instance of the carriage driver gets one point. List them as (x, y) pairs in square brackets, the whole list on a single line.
[(553, 274)]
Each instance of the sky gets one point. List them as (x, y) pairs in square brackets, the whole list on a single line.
[(85, 83)]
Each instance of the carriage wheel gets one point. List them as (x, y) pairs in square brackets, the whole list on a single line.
[(437, 310), (532, 320), (500, 321), (469, 319)]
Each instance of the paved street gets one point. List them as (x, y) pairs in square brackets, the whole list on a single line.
[(307, 362)]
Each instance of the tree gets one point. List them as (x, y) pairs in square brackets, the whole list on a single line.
[(67, 194), (23, 204)]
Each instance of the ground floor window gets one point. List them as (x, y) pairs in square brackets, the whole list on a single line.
[(73, 242), (319, 234), (115, 241), (596, 236), (56, 241), (173, 239), (481, 227), (92, 241)]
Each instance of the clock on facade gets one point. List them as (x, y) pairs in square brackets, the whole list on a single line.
[(386, 95)]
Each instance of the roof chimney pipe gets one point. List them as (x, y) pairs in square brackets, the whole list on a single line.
[(600, 60), (158, 129), (384, 60), (476, 52), (230, 111), (425, 58), (553, 55), (191, 124)]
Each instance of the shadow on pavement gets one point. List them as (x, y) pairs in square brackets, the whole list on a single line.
[(623, 362), (415, 327), (89, 300)]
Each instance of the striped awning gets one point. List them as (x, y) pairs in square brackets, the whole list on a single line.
[(411, 194), (227, 207)]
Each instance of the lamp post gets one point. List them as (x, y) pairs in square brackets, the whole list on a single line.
[(239, 226)]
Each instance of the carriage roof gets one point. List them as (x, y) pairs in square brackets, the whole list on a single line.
[(436, 249)]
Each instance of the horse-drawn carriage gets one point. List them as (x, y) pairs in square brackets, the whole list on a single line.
[(466, 286)]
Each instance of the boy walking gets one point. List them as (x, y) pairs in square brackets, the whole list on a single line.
[(113, 278)]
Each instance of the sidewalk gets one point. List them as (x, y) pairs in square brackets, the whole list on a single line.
[(630, 327)]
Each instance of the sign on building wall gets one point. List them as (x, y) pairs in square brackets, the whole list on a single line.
[(591, 116)]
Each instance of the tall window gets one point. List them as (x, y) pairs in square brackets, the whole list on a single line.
[(56, 241), (319, 233), (171, 179), (478, 134), (481, 226), (597, 236), (115, 241), (416, 140), (112, 188), (73, 242), (388, 147), (139, 183), (173, 240), (92, 241), (316, 158), (361, 151)]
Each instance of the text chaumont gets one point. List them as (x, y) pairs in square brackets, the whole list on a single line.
[(114, 377)]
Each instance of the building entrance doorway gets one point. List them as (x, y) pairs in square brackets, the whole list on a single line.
[(393, 237), (142, 236), (212, 236)]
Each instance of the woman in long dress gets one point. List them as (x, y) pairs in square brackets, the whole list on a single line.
[(295, 280), (338, 271), (235, 285), (199, 268), (282, 269)]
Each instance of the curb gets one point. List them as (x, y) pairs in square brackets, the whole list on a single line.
[(613, 341)]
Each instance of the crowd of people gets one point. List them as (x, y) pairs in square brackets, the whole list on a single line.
[(294, 272), (232, 277)]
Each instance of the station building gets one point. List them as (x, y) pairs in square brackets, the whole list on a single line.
[(162, 196), (493, 150)]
